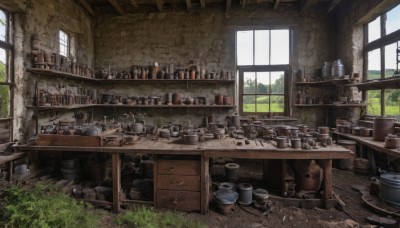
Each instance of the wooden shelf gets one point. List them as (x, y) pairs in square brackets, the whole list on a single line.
[(62, 74), (332, 82), (41, 108), (388, 83), (331, 105)]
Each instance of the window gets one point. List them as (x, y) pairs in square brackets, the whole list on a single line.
[(263, 63), (64, 43), (382, 53), (6, 78)]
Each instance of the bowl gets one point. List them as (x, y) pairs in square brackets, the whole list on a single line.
[(260, 194)]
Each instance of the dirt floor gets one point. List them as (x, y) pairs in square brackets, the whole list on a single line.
[(282, 216)]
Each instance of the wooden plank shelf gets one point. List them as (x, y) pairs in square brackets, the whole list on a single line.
[(70, 107), (332, 82), (387, 83), (61, 74)]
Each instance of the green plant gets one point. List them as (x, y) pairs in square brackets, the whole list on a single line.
[(145, 217), (44, 207)]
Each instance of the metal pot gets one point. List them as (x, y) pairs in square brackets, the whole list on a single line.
[(281, 141), (365, 132), (390, 189), (137, 127), (296, 143), (190, 139), (92, 131)]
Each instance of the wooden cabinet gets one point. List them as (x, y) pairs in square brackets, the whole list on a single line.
[(178, 183)]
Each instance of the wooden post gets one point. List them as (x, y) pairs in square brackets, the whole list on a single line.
[(116, 174), (326, 165), (205, 185), (10, 170)]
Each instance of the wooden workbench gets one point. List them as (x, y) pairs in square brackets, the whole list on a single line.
[(227, 147), (369, 142)]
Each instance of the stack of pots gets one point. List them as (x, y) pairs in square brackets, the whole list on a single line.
[(71, 169), (382, 127)]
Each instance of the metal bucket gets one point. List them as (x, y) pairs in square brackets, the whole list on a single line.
[(245, 193), (347, 163), (390, 189)]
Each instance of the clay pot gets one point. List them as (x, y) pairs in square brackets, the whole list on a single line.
[(189, 100), (365, 132), (308, 175), (190, 139), (296, 143), (382, 127), (323, 130), (219, 99), (228, 100), (355, 130), (281, 141), (176, 98), (392, 142), (137, 127)]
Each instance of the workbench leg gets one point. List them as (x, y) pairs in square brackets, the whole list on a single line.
[(116, 174), (205, 189), (371, 158), (326, 165), (10, 170)]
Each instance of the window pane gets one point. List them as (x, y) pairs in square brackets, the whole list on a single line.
[(374, 102), (4, 76), (374, 64), (4, 101), (263, 82), (393, 20), (249, 103), (277, 82), (244, 48), (3, 26), (390, 59), (392, 102), (277, 103), (279, 47), (261, 47), (374, 30), (249, 82), (63, 44), (262, 103)]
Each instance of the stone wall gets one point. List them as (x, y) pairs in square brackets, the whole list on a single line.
[(210, 38), (45, 18)]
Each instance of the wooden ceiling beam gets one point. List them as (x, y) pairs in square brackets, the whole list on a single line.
[(117, 6), (276, 4), (228, 8), (189, 5), (305, 4), (333, 5), (86, 6), (203, 4), (160, 5)]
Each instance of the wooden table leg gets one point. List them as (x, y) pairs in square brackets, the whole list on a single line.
[(326, 165), (205, 186), (116, 174), (10, 170)]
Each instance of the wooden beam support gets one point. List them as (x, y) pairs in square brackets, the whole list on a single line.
[(160, 5), (117, 6), (189, 5), (203, 4), (135, 3), (333, 5), (276, 4), (86, 6)]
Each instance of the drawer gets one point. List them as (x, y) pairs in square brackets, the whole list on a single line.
[(176, 182), (178, 167), (178, 200)]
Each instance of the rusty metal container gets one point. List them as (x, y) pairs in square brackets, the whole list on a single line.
[(382, 127)]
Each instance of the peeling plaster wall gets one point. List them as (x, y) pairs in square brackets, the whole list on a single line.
[(45, 18)]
